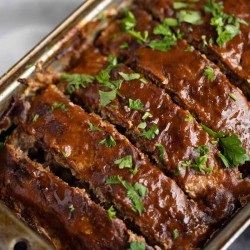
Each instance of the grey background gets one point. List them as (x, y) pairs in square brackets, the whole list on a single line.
[(23, 23)]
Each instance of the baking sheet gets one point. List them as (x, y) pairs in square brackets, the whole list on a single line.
[(46, 50)]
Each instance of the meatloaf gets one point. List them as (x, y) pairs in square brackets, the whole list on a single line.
[(142, 141)]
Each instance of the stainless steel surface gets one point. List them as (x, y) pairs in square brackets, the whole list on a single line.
[(15, 233), (47, 49)]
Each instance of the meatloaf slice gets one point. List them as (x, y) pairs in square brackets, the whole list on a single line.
[(94, 150), (178, 138), (65, 214), (233, 56)]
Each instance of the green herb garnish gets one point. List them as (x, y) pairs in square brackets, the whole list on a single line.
[(151, 133), (35, 118), (189, 16), (125, 162), (213, 133), (189, 118), (58, 105), (136, 105), (129, 21), (181, 5), (111, 212), (134, 192), (108, 142), (71, 208), (141, 38), (146, 115), (135, 245), (93, 127), (75, 81), (124, 46), (233, 96), (209, 73), (175, 234), (107, 97), (227, 26), (129, 77), (142, 125), (161, 155)]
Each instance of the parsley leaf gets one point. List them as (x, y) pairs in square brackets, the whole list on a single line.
[(161, 155), (135, 245), (75, 81), (134, 192), (108, 142), (171, 22), (175, 234), (129, 77), (111, 212), (227, 26), (189, 16), (125, 162), (93, 127), (129, 21), (124, 46), (233, 96), (134, 171), (233, 150), (139, 36), (136, 105), (150, 134), (35, 118), (203, 149), (146, 115), (213, 133), (71, 208), (189, 118), (142, 125), (181, 5), (165, 44), (209, 73), (58, 105), (107, 97)]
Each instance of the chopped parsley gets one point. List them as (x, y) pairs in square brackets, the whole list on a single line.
[(129, 21), (171, 22), (189, 16), (233, 96), (75, 81), (64, 154), (93, 127), (151, 133), (107, 97), (189, 118), (161, 155), (142, 125), (125, 162), (181, 5), (141, 38), (124, 46), (108, 142), (227, 26), (175, 234), (134, 192), (189, 48), (199, 163), (209, 73), (169, 38), (146, 115), (71, 208), (136, 245), (35, 118), (233, 153), (58, 105), (213, 133), (111, 212), (136, 105), (134, 171), (129, 77)]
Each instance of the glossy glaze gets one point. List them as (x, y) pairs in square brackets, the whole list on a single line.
[(166, 206), (47, 199), (180, 138)]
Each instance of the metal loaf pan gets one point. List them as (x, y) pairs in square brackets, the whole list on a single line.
[(44, 54)]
